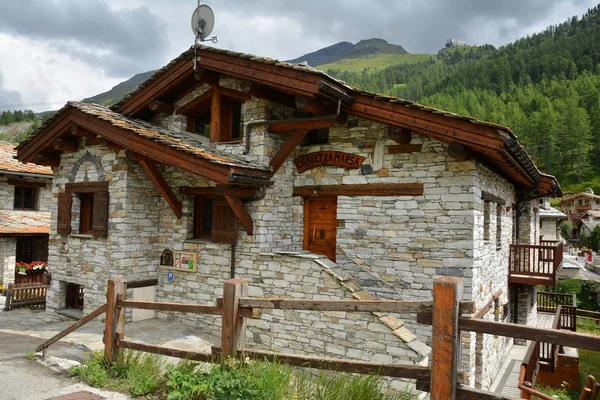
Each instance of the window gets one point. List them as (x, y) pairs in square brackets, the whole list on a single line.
[(316, 136), (214, 220), (25, 250), (499, 227), (227, 104), (86, 211), (25, 198), (486, 220), (93, 208)]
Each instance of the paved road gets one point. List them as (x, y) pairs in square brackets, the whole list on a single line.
[(583, 273), (24, 379)]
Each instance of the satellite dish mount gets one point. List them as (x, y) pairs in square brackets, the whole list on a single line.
[(203, 22)]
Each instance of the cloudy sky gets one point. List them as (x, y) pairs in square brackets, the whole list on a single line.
[(52, 51)]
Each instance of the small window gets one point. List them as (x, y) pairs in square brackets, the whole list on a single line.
[(86, 213), (486, 220), (25, 198), (25, 250), (316, 136), (498, 227), (202, 124), (214, 220)]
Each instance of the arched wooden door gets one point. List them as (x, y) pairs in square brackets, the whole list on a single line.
[(320, 225)]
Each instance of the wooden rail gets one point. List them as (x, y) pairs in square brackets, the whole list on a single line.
[(27, 296), (534, 264), (548, 301)]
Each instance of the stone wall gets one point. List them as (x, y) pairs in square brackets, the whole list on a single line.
[(8, 248), (7, 192), (549, 228)]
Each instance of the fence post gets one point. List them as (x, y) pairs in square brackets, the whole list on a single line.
[(115, 317), (447, 293), (8, 297), (234, 327)]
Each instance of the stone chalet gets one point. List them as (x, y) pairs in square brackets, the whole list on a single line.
[(582, 210), (550, 219), (25, 199), (283, 176)]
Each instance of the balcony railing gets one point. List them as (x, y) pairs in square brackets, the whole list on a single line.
[(535, 264)]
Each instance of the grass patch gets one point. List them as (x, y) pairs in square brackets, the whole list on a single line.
[(559, 394), (374, 62), (141, 374)]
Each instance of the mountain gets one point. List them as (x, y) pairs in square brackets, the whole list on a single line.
[(324, 55), (545, 87), (121, 90)]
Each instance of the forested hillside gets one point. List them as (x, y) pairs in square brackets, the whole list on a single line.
[(546, 87), (17, 125)]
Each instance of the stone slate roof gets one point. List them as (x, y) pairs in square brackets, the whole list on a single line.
[(573, 197), (24, 222), (306, 68), (8, 163), (551, 212), (188, 143)]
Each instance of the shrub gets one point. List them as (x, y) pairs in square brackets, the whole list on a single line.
[(566, 230)]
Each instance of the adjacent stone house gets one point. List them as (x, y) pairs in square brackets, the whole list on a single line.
[(550, 219), (286, 177), (581, 207), (25, 198)]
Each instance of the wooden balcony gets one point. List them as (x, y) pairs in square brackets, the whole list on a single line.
[(535, 264)]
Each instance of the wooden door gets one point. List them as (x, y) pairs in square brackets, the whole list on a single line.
[(320, 225)]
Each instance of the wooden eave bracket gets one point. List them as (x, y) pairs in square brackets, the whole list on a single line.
[(162, 185), (287, 148), (241, 213)]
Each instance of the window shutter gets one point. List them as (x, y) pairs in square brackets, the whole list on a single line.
[(63, 218), (224, 222), (100, 214)]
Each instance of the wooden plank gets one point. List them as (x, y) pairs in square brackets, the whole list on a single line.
[(459, 151), (245, 312), (264, 92), (399, 135), (8, 296), (215, 116), (241, 213), (163, 187), (287, 149), (114, 314), (492, 197), (166, 351), (445, 357), (384, 306), (161, 106), (314, 106), (377, 189), (142, 283), (94, 314), (17, 182), (234, 94), (405, 148), (334, 364), (205, 76), (300, 125), (239, 191), (234, 327), (86, 187), (546, 335)]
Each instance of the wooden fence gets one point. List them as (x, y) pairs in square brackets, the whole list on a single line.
[(31, 278), (25, 296), (534, 264), (443, 313), (548, 302)]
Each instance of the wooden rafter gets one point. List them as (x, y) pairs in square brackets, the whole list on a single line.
[(313, 106), (234, 94), (163, 187), (237, 191), (267, 93), (284, 127), (45, 160), (200, 102), (215, 116), (241, 213), (81, 132), (65, 145), (205, 76), (287, 149)]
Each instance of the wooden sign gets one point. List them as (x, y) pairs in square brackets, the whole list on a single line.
[(331, 158)]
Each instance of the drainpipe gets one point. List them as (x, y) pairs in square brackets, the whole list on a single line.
[(232, 271)]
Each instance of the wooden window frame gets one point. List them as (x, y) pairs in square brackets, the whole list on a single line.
[(86, 213), (221, 231), (222, 104), (23, 189), (94, 214)]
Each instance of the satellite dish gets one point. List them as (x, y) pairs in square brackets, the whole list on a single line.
[(203, 21)]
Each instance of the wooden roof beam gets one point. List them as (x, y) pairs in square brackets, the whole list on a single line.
[(47, 161), (313, 106), (163, 187), (65, 145), (459, 151), (267, 93), (205, 76), (287, 148), (308, 124), (242, 192), (202, 101), (161, 106), (241, 213), (399, 135), (81, 132)]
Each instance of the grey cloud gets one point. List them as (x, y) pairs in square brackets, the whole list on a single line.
[(9, 99), (121, 42)]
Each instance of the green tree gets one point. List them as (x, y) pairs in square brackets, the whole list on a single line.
[(566, 230)]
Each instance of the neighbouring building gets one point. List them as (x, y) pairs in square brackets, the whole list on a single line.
[(305, 187), (25, 201), (550, 219), (582, 210)]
